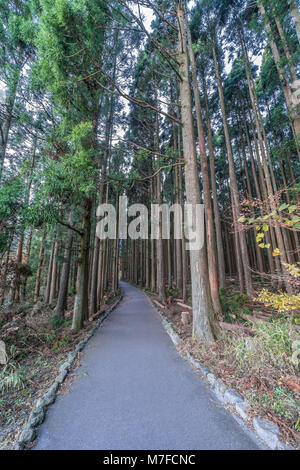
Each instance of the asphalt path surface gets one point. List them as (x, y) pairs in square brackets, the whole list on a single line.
[(134, 391)]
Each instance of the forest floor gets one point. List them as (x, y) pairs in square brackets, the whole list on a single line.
[(36, 347), (253, 358)]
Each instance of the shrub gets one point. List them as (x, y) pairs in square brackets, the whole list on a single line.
[(281, 301)]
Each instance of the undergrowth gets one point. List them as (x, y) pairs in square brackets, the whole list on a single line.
[(233, 304), (11, 377)]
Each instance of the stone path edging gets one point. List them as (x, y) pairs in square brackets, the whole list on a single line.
[(39, 411), (265, 430)]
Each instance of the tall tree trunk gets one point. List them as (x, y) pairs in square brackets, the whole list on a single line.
[(220, 248), (210, 230), (294, 9), (294, 112), (49, 276), (39, 269), (80, 312), (6, 123), (205, 326), (286, 49), (64, 278), (178, 243), (271, 198), (159, 243), (4, 269), (28, 251), (181, 202), (233, 186), (54, 274)]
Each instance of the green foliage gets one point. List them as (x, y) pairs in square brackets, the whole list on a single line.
[(272, 344), (49, 337), (172, 292), (11, 197), (11, 377), (11, 208), (57, 322), (62, 342), (277, 336), (234, 303), (282, 302)]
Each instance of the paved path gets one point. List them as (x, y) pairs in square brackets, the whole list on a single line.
[(134, 391)]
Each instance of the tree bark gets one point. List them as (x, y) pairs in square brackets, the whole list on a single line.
[(205, 326), (48, 283), (241, 243), (293, 110), (6, 124), (295, 15), (210, 230), (64, 278), (80, 312), (39, 269)]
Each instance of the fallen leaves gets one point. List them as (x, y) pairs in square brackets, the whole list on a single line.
[(292, 383)]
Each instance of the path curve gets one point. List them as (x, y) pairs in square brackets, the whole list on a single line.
[(134, 391)]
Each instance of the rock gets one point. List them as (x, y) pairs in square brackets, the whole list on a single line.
[(28, 435), (39, 405), (50, 396), (3, 355), (61, 377), (220, 386), (220, 389), (211, 378), (186, 318), (64, 366), (231, 397), (71, 356), (36, 418), (267, 431), (204, 370), (242, 409), (283, 446), (79, 347), (196, 363)]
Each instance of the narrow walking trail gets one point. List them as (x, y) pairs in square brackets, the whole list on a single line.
[(134, 391)]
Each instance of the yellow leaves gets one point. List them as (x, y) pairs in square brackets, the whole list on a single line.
[(293, 269), (276, 252), (259, 237), (262, 245), (282, 302), (292, 209)]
